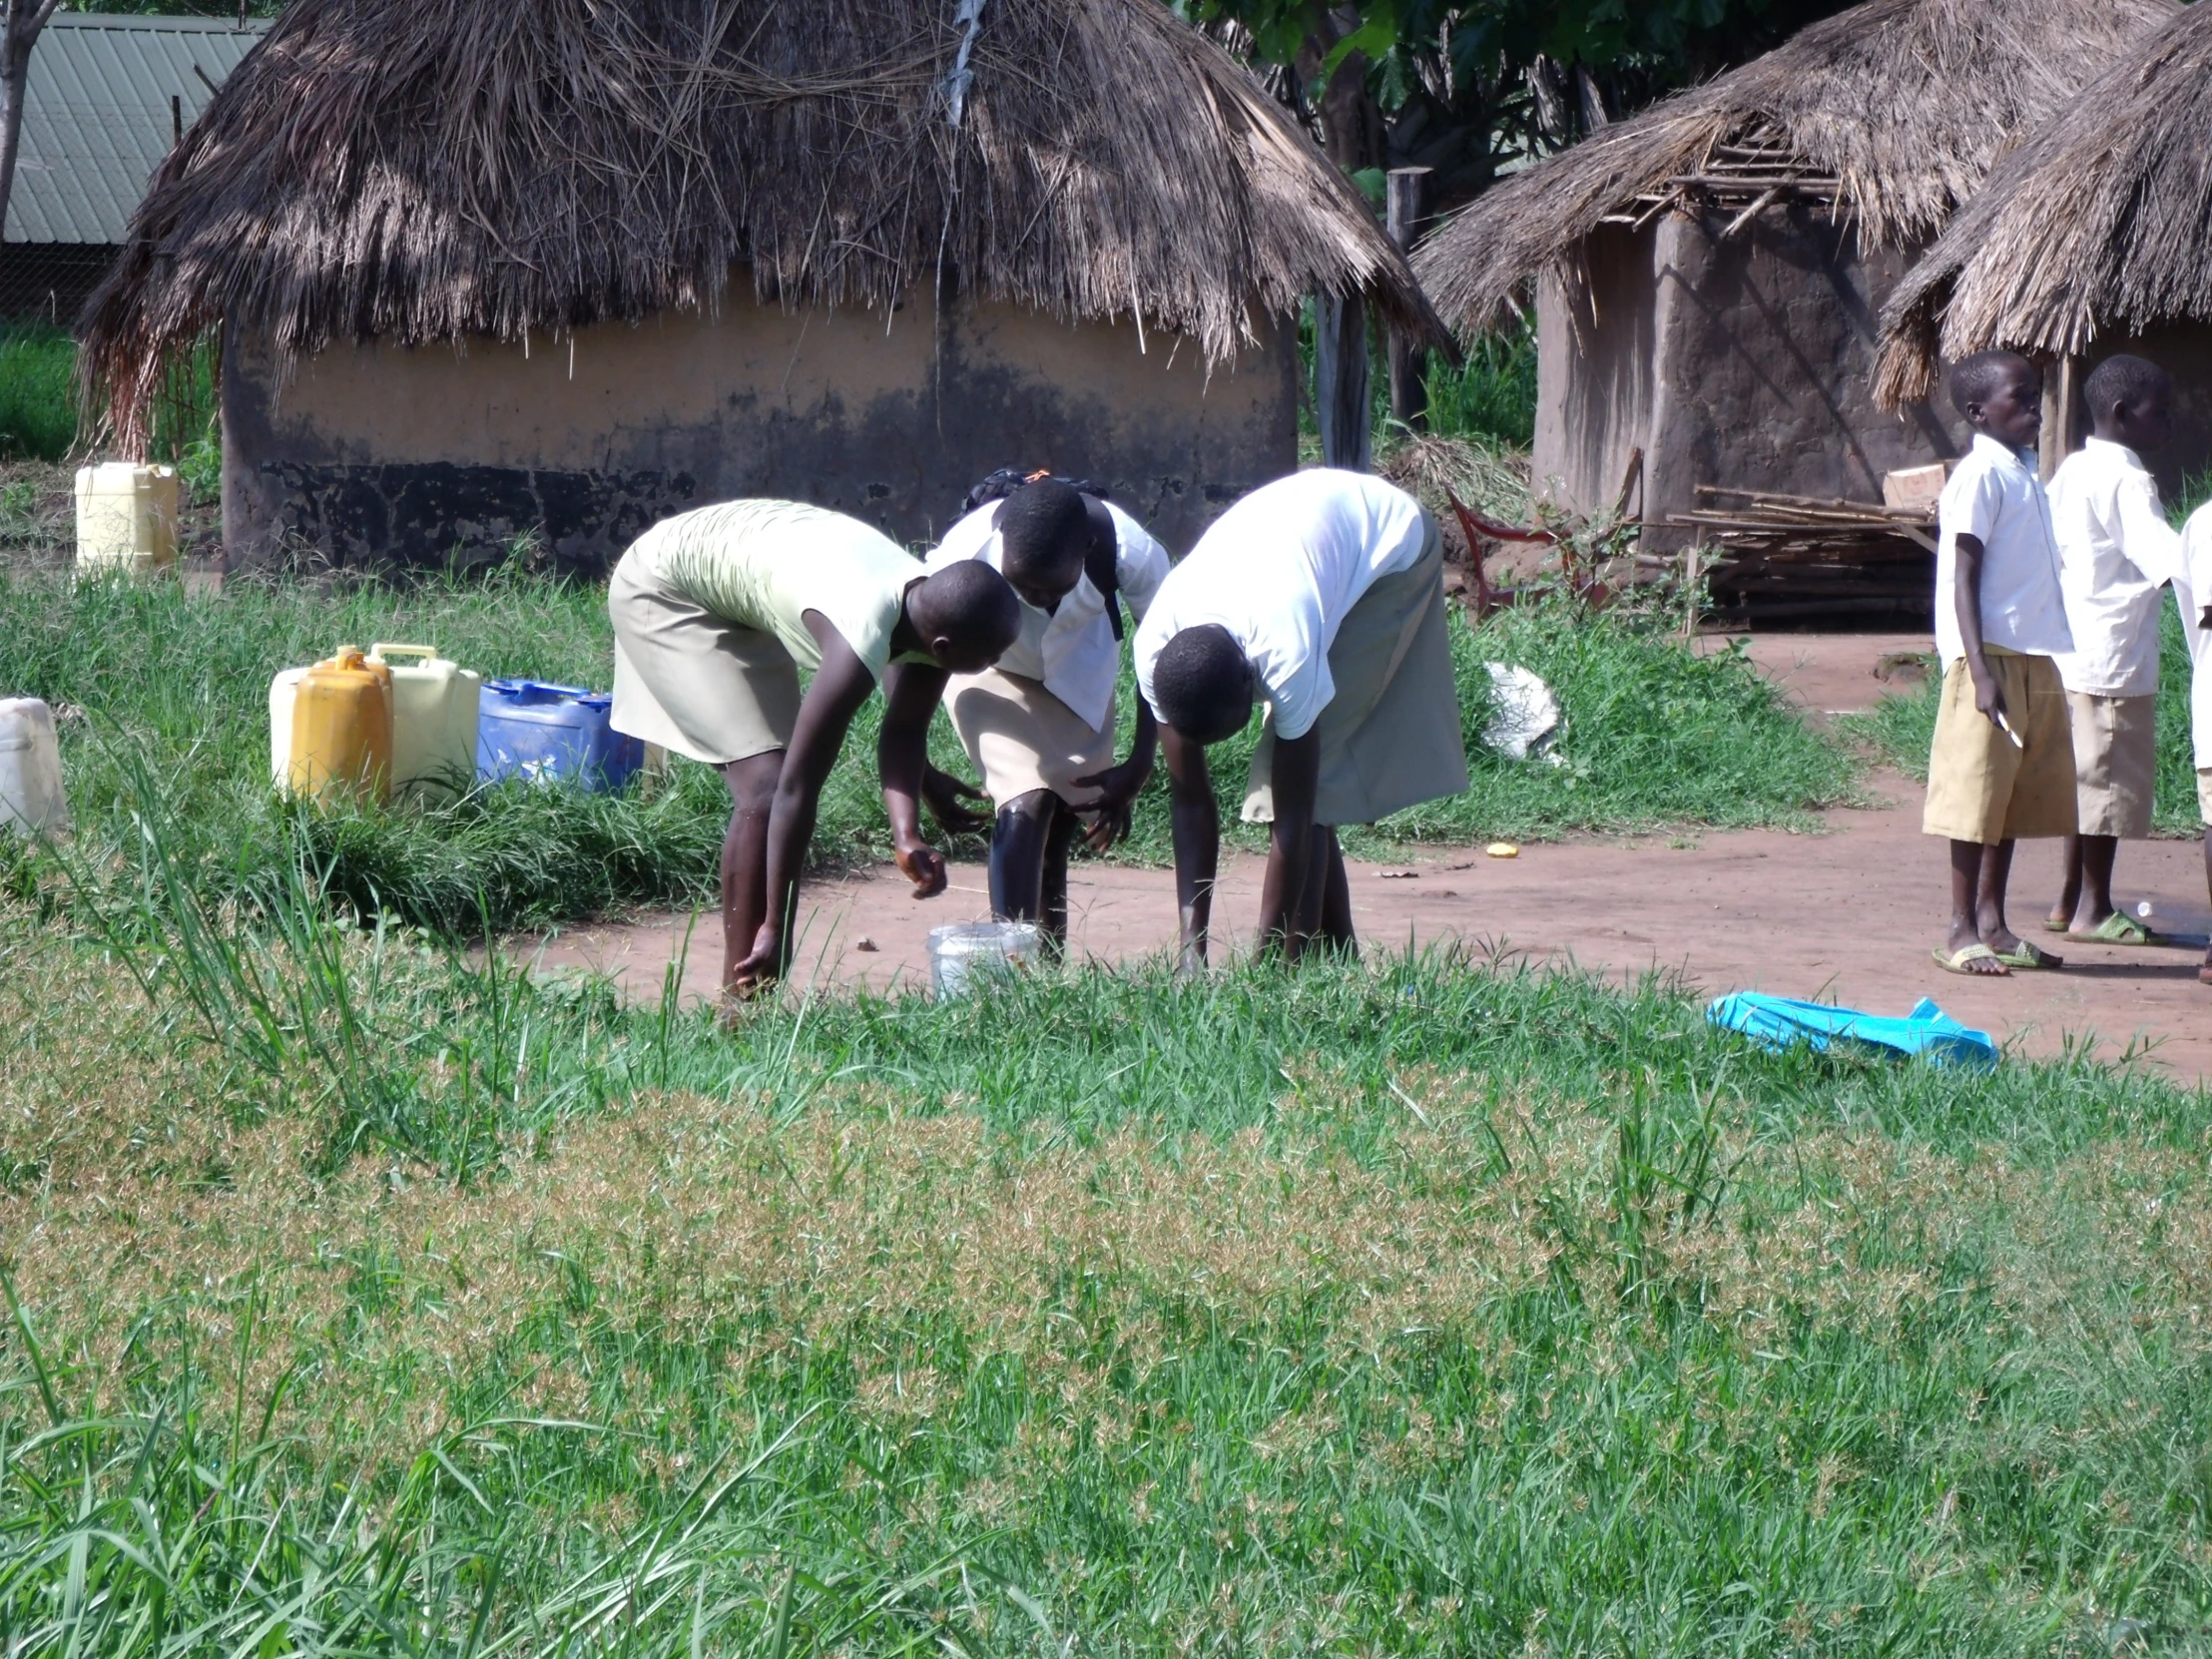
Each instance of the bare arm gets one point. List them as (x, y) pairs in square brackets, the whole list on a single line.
[(840, 686), (911, 692), (1293, 778), (1118, 787), (1197, 821), (1967, 591)]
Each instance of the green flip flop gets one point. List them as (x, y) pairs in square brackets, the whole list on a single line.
[(1954, 961), (2119, 928), (2029, 957)]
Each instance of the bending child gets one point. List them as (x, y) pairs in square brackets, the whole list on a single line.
[(2002, 763), (717, 611), (1323, 592), (1039, 725), (2115, 551)]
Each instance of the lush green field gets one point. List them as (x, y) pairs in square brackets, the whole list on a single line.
[(1900, 727), (365, 1303), (172, 691)]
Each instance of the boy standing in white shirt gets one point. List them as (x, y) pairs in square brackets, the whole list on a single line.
[(2115, 552), (2193, 594), (1323, 592), (2003, 760)]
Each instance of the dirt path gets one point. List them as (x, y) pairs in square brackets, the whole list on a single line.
[(1848, 915)]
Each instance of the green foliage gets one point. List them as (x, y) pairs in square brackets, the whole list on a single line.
[(38, 392)]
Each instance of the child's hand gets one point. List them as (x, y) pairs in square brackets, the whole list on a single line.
[(1988, 698), (924, 868), (946, 796)]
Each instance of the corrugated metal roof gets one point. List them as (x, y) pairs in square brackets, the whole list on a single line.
[(97, 120)]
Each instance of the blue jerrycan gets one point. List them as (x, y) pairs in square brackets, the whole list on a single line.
[(552, 735)]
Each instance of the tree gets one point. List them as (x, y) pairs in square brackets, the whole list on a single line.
[(21, 22), (1464, 86)]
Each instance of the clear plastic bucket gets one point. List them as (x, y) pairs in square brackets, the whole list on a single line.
[(968, 951)]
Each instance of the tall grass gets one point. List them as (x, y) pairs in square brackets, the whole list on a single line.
[(177, 683), (1436, 1307), (38, 392)]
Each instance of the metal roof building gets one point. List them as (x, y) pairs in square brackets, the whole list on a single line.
[(107, 98)]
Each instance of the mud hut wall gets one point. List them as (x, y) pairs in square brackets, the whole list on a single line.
[(2183, 351), (381, 456), (1595, 360), (1745, 362)]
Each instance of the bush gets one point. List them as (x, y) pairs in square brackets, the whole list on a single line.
[(38, 392)]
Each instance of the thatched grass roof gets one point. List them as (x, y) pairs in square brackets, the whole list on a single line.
[(421, 171), (1891, 113), (2101, 225)]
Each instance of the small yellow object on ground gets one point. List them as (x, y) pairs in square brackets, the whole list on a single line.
[(1503, 849)]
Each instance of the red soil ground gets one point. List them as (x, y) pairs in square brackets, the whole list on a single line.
[(1848, 915)]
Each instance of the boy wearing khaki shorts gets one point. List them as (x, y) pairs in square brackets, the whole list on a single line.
[(2193, 594), (2002, 763), (2115, 552)]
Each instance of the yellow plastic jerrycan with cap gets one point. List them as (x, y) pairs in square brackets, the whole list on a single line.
[(126, 518), (435, 705), (341, 729)]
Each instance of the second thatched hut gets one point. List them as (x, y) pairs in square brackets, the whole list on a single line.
[(1708, 274), (479, 267), (2092, 238)]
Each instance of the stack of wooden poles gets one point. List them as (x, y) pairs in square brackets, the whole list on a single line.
[(1778, 558)]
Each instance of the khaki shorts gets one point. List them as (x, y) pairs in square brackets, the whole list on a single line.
[(1980, 788), (1390, 737), (692, 682), (1022, 738), (2115, 747)]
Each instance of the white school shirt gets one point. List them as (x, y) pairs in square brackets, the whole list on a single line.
[(1280, 570), (1994, 496), (1072, 649), (2115, 551), (2192, 589)]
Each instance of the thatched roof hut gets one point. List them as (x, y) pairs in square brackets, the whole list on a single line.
[(392, 181), (1708, 272), (2090, 239)]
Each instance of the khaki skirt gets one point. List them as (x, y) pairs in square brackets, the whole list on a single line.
[(1390, 737), (1022, 738), (695, 683)]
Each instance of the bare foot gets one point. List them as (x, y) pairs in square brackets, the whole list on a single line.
[(1979, 964)]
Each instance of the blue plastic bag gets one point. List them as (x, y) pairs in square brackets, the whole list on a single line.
[(1779, 1021)]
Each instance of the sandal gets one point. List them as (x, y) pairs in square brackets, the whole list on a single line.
[(2029, 957), (2119, 928), (1954, 961)]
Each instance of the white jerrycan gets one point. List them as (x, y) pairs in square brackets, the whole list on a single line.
[(126, 517), (30, 768), (434, 707), (282, 691)]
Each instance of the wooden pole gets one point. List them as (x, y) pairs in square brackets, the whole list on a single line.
[(2061, 435), (1407, 215), (1341, 405)]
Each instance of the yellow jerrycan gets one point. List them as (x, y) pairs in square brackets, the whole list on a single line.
[(341, 729), (435, 705)]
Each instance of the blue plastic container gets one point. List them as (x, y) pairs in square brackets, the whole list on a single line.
[(552, 735)]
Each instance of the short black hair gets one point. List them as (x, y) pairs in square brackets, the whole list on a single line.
[(969, 604), (2123, 379), (1976, 379), (1202, 685), (1044, 530)]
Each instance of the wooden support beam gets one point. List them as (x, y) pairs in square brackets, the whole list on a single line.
[(1407, 215)]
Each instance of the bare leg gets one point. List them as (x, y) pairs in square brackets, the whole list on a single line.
[(2069, 895), (1304, 917), (2204, 974), (1019, 838), (1053, 892), (1996, 873), (752, 782), (1965, 891), (2095, 903), (1335, 903)]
